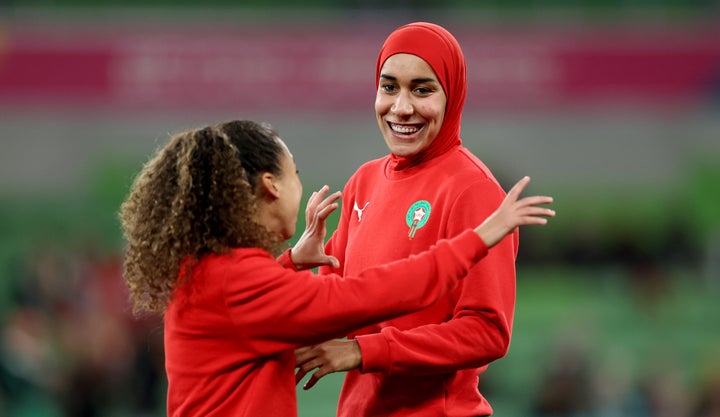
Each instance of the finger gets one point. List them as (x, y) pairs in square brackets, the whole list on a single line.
[(322, 192), (536, 211), (535, 200), (325, 211), (536, 218), (313, 197), (528, 203), (530, 220), (329, 201), (317, 196), (311, 364), (314, 378), (332, 198), (329, 260), (545, 212), (311, 207), (518, 188), (310, 382), (299, 375), (302, 354), (306, 368)]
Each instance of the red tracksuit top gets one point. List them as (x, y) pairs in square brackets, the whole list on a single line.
[(425, 363), (230, 333)]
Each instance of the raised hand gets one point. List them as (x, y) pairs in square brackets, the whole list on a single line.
[(309, 251), (514, 212)]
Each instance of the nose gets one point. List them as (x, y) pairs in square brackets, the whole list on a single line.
[(402, 104)]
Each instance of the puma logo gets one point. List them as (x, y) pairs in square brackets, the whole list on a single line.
[(360, 210)]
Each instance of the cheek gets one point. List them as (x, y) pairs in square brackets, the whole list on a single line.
[(440, 117), (381, 105), (297, 204), (433, 114), (298, 198)]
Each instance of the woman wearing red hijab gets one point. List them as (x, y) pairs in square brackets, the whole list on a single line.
[(429, 187)]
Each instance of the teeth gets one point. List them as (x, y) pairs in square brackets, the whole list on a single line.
[(404, 129)]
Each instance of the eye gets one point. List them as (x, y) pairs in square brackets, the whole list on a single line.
[(388, 88), (423, 90)]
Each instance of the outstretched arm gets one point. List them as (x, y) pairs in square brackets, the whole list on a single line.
[(344, 355)]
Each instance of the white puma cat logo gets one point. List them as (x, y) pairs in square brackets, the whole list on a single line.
[(360, 210)]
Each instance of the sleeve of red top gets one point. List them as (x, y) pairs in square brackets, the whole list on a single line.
[(279, 308), (286, 261)]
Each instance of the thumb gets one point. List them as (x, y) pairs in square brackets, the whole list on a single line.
[(331, 260), (328, 260)]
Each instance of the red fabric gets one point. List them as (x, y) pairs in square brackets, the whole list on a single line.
[(286, 261), (427, 363), (230, 333), (441, 50)]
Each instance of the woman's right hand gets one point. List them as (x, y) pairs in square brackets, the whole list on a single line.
[(514, 212), (309, 251)]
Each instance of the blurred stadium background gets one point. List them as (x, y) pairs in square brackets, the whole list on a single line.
[(613, 106)]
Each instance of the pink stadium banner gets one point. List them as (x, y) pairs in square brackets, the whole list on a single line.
[(332, 68)]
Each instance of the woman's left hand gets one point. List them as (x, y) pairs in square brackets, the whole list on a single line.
[(332, 356)]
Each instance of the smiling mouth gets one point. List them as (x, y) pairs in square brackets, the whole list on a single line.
[(405, 129)]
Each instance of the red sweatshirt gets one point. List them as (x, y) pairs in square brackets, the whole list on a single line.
[(230, 333), (425, 363)]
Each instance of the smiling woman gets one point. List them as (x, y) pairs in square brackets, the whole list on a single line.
[(429, 187)]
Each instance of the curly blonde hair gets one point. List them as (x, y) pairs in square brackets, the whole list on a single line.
[(194, 197)]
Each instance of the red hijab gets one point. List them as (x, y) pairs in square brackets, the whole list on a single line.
[(442, 52)]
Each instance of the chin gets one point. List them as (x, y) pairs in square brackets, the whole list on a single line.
[(403, 151), (400, 148)]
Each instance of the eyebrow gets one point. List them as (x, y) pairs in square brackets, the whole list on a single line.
[(414, 80)]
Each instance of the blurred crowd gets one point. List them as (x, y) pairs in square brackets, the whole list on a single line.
[(573, 384), (71, 348)]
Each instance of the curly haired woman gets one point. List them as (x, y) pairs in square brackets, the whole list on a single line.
[(203, 221)]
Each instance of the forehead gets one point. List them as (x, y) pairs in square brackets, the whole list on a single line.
[(283, 145), (402, 65), (286, 155)]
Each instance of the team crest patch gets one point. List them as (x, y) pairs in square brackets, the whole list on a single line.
[(417, 215)]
